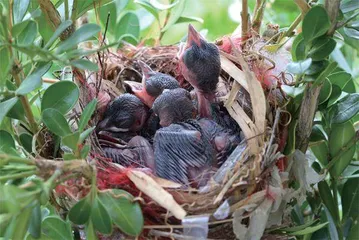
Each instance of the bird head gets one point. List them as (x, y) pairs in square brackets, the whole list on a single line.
[(173, 106), (153, 84), (124, 114)]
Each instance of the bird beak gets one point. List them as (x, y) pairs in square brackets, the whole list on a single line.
[(193, 37), (146, 71)]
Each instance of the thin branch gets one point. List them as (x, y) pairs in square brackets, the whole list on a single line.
[(332, 7), (258, 15), (244, 15)]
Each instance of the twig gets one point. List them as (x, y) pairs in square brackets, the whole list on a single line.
[(291, 28), (306, 116), (332, 7), (303, 5), (244, 15), (258, 15)]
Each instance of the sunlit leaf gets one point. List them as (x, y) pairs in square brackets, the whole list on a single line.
[(34, 80), (80, 212), (62, 96), (128, 24), (353, 33), (82, 34), (56, 228), (184, 19), (346, 108), (149, 7), (340, 137), (299, 67), (175, 15), (84, 64), (161, 6), (86, 114), (120, 6), (308, 230), (315, 23), (125, 214), (55, 122), (101, 218), (19, 9), (86, 133)]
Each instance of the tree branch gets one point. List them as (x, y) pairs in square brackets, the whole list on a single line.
[(244, 15)]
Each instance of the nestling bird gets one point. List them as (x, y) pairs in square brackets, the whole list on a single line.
[(173, 106), (153, 84), (188, 152), (200, 64), (126, 113)]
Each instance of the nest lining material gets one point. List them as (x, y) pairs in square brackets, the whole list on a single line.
[(244, 183)]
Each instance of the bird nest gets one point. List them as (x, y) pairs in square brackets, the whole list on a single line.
[(248, 193)]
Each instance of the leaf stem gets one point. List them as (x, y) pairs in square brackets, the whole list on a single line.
[(66, 9)]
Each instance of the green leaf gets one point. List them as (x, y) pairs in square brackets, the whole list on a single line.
[(149, 7), (340, 137), (100, 218), (317, 134), (346, 108), (63, 26), (322, 48), (340, 78), (55, 122), (125, 214), (308, 230), (5, 65), (350, 32), (6, 141), (86, 114), (14, 198), (120, 5), (354, 231), (86, 5), (184, 19), (298, 48), (321, 152), (26, 141), (336, 92), (175, 15), (19, 9), (161, 6), (350, 198), (348, 5), (90, 231), (62, 96), (293, 91), (332, 229), (22, 223), (35, 222), (325, 92), (71, 140), (5, 107), (128, 24), (290, 146), (317, 67), (5, 223), (325, 73), (84, 64), (80, 212), (298, 228), (55, 228), (84, 33), (17, 112), (85, 151), (85, 134), (315, 23), (34, 80), (328, 200), (28, 35), (299, 67)]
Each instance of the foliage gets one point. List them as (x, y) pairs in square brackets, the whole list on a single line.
[(35, 44)]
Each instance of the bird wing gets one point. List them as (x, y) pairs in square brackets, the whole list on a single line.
[(178, 149)]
